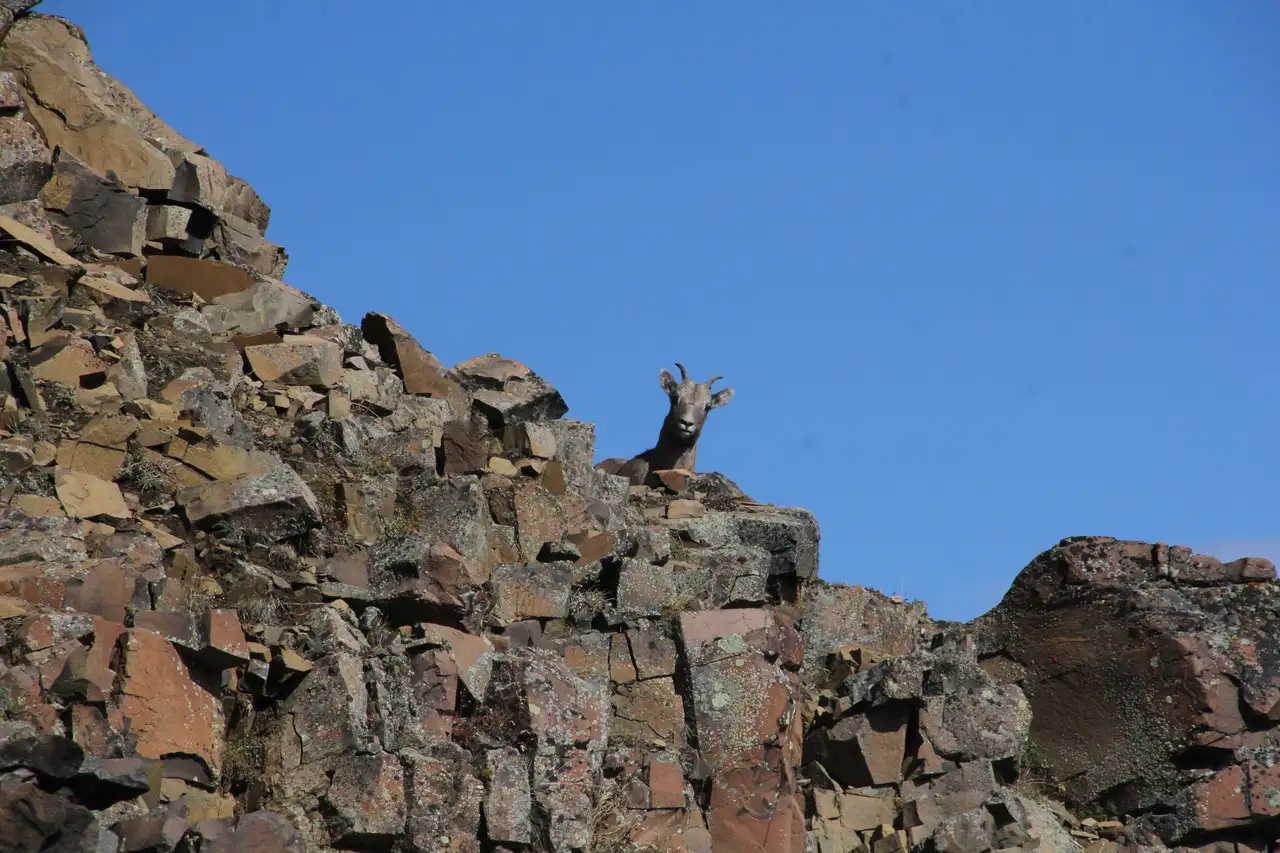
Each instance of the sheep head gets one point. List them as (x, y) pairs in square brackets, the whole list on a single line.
[(690, 403)]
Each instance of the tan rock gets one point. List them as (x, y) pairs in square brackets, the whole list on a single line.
[(152, 410), (82, 457), (86, 496), (129, 374), (17, 454), (37, 505), (276, 503), (11, 608), (36, 242), (44, 453), (294, 662), (68, 361), (207, 279), (675, 479), (685, 509), (367, 506), (99, 397), (112, 287), (499, 465), (200, 180), (536, 592), (110, 430), (84, 111), (300, 360), (240, 242), (169, 713), (421, 371), (646, 711)]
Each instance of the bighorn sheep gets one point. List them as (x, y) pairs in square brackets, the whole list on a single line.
[(677, 445)]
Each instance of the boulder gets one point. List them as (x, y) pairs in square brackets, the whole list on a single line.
[(421, 371), (202, 181), (99, 210), (1142, 662), (89, 114), (168, 712), (299, 360), (508, 807), (208, 279), (260, 307), (366, 801), (33, 819), (270, 501), (746, 704), (835, 616), (507, 392)]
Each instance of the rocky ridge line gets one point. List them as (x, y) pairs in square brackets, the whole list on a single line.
[(272, 582)]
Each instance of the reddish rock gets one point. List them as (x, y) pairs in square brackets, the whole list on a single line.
[(666, 785), (168, 712), (748, 725), (467, 447), (223, 640), (1176, 640), (674, 479), (366, 800)]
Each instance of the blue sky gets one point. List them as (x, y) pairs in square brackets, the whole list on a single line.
[(983, 274)]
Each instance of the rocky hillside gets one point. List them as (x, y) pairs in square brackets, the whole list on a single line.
[(271, 582)]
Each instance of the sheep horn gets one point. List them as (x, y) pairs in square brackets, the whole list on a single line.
[(712, 380), (684, 376)]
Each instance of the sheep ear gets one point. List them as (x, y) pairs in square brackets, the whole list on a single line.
[(667, 381), (719, 398)]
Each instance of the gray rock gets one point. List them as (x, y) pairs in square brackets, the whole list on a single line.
[(366, 801), (265, 306), (508, 807), (24, 538), (25, 163), (208, 401), (455, 512), (100, 211), (271, 505), (239, 241)]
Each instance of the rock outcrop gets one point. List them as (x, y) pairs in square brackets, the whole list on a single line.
[(273, 582), (1153, 675)]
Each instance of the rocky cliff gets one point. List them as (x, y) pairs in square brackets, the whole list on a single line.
[(272, 582)]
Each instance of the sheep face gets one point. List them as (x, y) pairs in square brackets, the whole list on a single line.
[(690, 403)]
